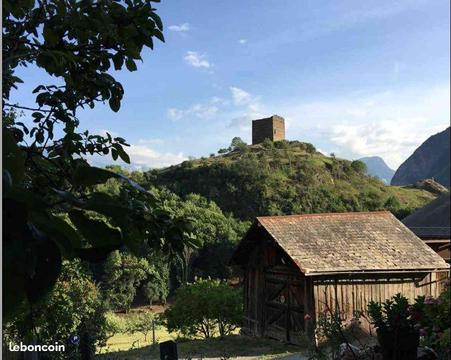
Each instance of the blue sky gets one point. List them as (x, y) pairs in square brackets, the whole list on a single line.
[(356, 78)]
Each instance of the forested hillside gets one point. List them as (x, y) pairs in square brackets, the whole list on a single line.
[(284, 178)]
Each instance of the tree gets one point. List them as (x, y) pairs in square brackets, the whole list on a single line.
[(74, 306), (204, 307), (216, 235), (50, 202), (238, 144), (359, 166), (143, 322), (125, 273)]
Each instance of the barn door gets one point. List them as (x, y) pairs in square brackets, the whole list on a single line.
[(284, 309)]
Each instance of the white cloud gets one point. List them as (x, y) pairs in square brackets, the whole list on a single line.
[(240, 96), (248, 108), (142, 157), (197, 60), (151, 141), (201, 111), (145, 157), (242, 41), (388, 124), (180, 28)]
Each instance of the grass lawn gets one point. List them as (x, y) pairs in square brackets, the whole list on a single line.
[(126, 341), (231, 347)]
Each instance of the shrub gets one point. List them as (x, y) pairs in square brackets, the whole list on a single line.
[(204, 307), (73, 307), (309, 148), (140, 323), (238, 144), (396, 313), (268, 144), (358, 166), (114, 324), (282, 144), (436, 323)]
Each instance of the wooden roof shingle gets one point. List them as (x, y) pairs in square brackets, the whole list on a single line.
[(350, 242)]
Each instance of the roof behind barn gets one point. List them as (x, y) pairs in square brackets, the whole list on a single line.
[(346, 243), (432, 220)]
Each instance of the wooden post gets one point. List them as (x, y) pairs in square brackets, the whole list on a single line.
[(309, 309)]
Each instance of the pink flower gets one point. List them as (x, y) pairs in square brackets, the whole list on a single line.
[(429, 300), (307, 317)]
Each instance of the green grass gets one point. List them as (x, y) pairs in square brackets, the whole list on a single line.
[(234, 346), (126, 341)]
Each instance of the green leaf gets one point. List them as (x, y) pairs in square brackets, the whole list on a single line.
[(158, 34), (109, 206), (91, 175), (57, 230), (115, 103), (130, 64), (157, 20), (13, 157), (123, 155), (118, 61), (50, 37), (96, 231)]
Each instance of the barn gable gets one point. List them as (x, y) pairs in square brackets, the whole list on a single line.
[(344, 243)]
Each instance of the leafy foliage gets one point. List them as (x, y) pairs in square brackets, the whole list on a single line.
[(436, 322), (277, 178), (50, 200), (125, 273), (396, 314), (204, 307), (216, 235), (142, 322), (73, 307)]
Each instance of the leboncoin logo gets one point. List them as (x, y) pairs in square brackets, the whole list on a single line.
[(43, 348)]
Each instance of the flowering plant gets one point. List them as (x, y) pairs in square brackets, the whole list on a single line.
[(436, 323), (397, 314)]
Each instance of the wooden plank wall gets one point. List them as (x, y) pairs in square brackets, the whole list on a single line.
[(351, 296)]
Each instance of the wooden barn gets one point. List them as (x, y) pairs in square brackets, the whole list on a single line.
[(301, 264)]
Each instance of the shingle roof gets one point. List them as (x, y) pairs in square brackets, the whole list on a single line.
[(350, 242), (432, 220)]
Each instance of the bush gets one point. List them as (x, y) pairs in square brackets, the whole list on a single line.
[(359, 166), (436, 322), (309, 148), (205, 307), (114, 324), (73, 307), (140, 323)]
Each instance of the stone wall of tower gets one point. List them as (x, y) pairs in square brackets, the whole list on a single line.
[(272, 128)]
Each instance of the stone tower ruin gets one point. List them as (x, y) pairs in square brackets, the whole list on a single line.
[(272, 128)]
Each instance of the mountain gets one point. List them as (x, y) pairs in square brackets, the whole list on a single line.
[(430, 161), (376, 166), (285, 177)]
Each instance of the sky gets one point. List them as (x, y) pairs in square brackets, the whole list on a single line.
[(354, 78)]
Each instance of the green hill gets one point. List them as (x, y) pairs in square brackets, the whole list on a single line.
[(285, 178)]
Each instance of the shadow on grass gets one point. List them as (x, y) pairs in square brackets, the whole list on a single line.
[(230, 347)]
